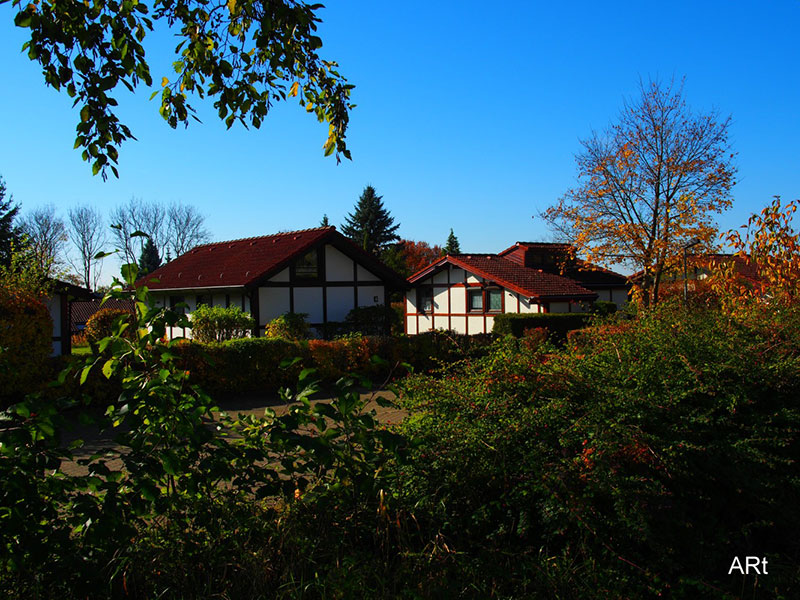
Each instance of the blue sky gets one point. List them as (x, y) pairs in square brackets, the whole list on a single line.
[(469, 116)]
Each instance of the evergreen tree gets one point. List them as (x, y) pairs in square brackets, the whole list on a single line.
[(452, 246), (149, 260), (370, 225), (10, 236), (325, 222)]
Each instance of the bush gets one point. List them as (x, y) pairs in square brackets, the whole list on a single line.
[(371, 320), (603, 308), (558, 324), (101, 324), (636, 469), (218, 324), (291, 326), (241, 365), (26, 332)]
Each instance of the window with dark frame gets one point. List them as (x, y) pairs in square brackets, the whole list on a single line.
[(475, 300), (494, 300), (202, 300), (307, 266), (173, 304), (425, 300)]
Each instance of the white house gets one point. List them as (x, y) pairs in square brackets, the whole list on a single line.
[(314, 271), (464, 292)]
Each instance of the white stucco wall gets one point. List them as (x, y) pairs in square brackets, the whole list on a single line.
[(272, 303), (309, 300), (340, 302), (338, 267)]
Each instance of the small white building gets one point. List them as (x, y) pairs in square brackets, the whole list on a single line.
[(59, 305), (464, 292), (314, 271)]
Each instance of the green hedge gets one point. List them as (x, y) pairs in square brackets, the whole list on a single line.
[(254, 364), (558, 324)]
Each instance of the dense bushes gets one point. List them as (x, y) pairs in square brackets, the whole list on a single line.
[(26, 332), (291, 326), (254, 364), (558, 324), (101, 324), (218, 324), (637, 466)]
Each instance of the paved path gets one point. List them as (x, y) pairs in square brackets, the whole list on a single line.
[(250, 404)]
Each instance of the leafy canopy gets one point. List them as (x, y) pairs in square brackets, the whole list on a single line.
[(648, 184), (246, 54), (370, 225)]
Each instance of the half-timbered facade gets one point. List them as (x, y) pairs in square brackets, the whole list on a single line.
[(318, 272), (464, 292)]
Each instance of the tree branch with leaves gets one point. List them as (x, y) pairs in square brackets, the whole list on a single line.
[(245, 54), (648, 184)]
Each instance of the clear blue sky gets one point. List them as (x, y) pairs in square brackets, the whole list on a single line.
[(469, 115)]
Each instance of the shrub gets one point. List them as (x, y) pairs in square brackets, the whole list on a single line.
[(101, 324), (603, 308), (643, 466), (291, 326), (241, 365), (218, 324), (371, 320), (558, 324), (26, 331)]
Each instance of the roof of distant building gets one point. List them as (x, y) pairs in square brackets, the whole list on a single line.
[(247, 261)]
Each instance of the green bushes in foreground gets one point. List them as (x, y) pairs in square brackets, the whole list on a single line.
[(637, 465), (636, 462)]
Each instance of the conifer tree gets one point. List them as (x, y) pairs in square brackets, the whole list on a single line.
[(325, 221), (9, 233), (452, 246), (370, 225), (149, 260)]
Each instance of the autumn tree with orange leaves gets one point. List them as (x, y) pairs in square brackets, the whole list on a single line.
[(648, 185), (769, 246)]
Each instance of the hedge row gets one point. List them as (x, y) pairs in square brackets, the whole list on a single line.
[(558, 324), (255, 364)]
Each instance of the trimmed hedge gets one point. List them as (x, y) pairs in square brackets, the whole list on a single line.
[(254, 364), (558, 324)]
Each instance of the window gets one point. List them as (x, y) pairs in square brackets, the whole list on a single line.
[(494, 298), (202, 300), (425, 300), (475, 300), (307, 266), (174, 301)]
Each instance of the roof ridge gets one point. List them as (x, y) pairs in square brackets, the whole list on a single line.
[(261, 237)]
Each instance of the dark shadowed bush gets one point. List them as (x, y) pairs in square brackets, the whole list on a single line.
[(558, 324), (26, 332), (638, 465), (101, 324)]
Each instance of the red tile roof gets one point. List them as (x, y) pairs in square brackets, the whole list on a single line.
[(528, 281), (246, 261)]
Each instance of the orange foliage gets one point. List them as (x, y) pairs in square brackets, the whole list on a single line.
[(648, 185), (418, 255), (770, 250)]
